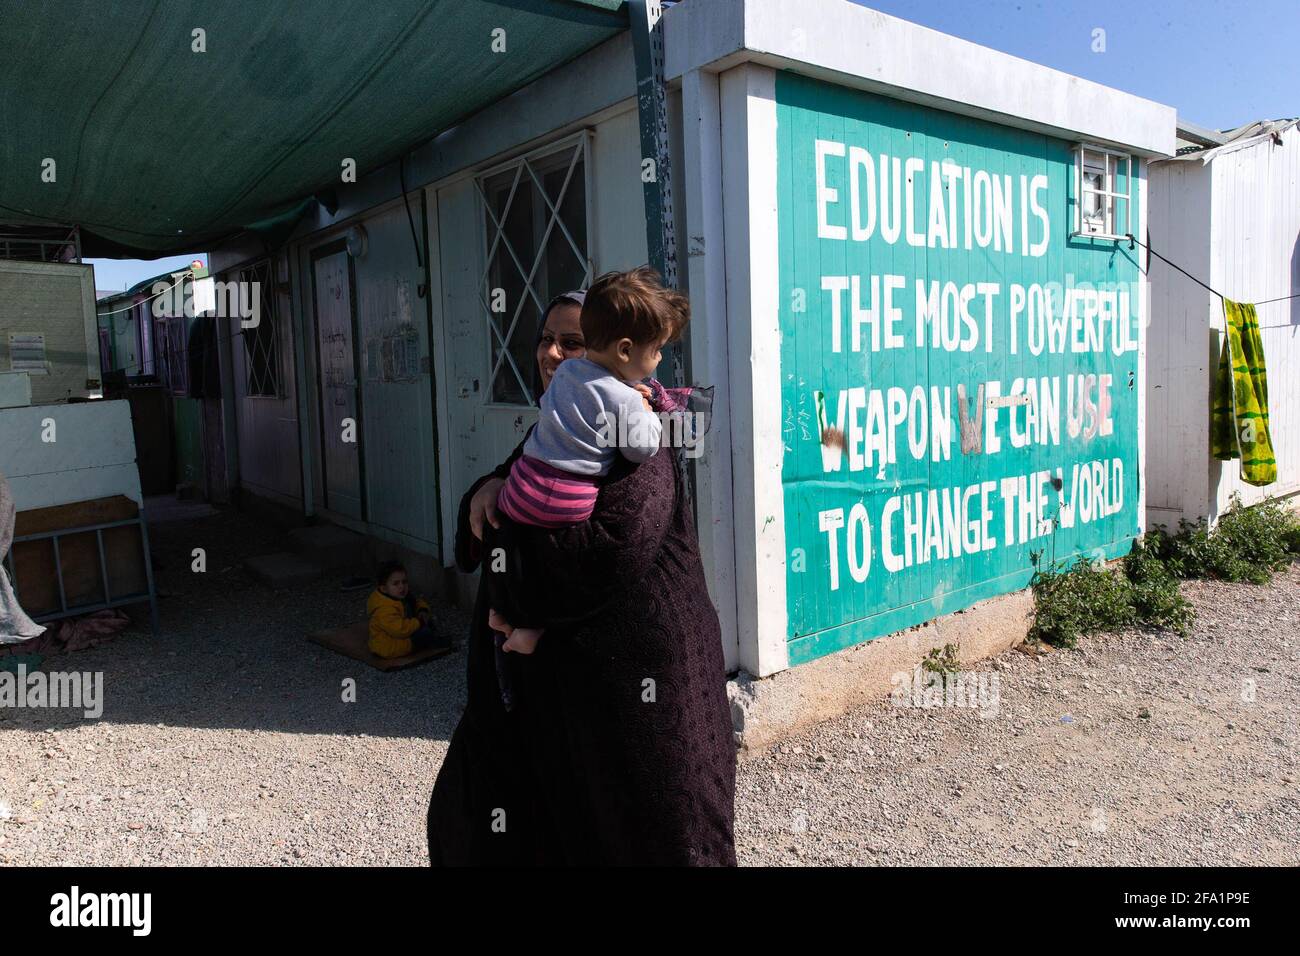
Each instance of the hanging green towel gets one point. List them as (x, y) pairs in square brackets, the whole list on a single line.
[(1239, 413)]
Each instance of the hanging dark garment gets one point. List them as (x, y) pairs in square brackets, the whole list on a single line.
[(204, 368), (619, 746)]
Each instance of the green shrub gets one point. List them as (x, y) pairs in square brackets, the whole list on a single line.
[(1083, 598), (1077, 600), (1156, 600), (1144, 563), (1248, 544), (1159, 603), (1258, 534), (1195, 553), (1291, 539)]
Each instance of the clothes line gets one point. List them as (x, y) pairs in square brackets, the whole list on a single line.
[(1146, 245), (149, 298)]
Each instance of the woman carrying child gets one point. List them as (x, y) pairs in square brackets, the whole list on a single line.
[(595, 409), (618, 746)]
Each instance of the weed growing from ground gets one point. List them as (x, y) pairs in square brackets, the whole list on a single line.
[(1248, 544), (942, 660)]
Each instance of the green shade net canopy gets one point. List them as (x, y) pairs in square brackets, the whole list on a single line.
[(155, 148)]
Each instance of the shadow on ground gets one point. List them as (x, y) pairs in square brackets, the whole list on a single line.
[(232, 653)]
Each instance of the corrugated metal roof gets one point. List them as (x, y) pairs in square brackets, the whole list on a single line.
[(141, 287), (1233, 139)]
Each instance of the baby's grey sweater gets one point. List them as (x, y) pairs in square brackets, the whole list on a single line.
[(588, 415)]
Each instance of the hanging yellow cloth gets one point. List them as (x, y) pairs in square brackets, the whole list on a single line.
[(1239, 411)]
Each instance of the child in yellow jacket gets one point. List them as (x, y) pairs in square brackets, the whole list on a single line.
[(399, 622)]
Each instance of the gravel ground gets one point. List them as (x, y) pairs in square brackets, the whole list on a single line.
[(1139, 748), (227, 741)]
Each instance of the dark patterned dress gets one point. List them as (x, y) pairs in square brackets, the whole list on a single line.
[(618, 747)]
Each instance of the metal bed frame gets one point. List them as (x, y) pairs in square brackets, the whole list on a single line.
[(109, 601)]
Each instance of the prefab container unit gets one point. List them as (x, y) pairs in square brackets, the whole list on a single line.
[(260, 377), (915, 231), (125, 337), (384, 404), (146, 331), (843, 183), (47, 328), (1230, 215), (141, 330)]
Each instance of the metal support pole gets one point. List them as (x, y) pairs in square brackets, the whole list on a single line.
[(58, 574), (148, 575), (103, 564), (656, 172)]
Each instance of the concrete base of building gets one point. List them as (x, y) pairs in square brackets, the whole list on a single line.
[(340, 552), (283, 569), (267, 510), (765, 711), (332, 547)]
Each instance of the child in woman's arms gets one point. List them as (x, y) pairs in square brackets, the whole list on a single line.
[(399, 621), (595, 408)]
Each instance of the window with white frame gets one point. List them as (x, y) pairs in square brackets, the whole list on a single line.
[(535, 222), (1103, 189)]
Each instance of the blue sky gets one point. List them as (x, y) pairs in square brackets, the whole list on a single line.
[(114, 275), (1221, 64)]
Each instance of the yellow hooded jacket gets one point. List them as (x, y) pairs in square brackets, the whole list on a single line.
[(390, 628)]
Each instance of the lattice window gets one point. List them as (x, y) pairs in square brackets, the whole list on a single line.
[(535, 222), (261, 342)]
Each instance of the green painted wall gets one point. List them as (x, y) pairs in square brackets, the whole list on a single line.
[(900, 524), (122, 337), (187, 431)]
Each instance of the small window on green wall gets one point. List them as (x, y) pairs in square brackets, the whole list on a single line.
[(1103, 205)]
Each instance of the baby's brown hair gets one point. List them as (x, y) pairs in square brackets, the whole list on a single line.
[(632, 305)]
